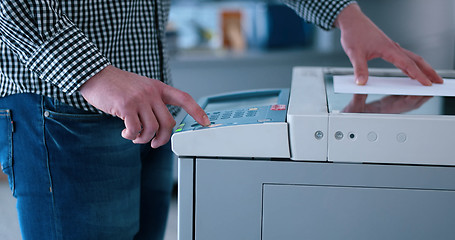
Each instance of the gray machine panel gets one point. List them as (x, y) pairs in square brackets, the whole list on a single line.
[(185, 199), (235, 200), (321, 212)]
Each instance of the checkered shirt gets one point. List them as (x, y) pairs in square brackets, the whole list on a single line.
[(321, 13), (53, 47)]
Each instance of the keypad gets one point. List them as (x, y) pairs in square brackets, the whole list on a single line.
[(234, 117), (213, 116), (251, 113), (226, 115), (239, 114)]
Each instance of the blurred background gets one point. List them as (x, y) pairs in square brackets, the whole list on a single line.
[(223, 46)]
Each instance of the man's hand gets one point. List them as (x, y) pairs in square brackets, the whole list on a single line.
[(362, 41), (141, 103)]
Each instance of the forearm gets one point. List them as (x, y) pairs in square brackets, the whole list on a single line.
[(48, 43)]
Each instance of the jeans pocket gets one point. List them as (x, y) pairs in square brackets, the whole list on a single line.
[(66, 112), (6, 145)]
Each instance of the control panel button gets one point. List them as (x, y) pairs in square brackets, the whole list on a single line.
[(401, 137), (372, 136), (319, 135), (339, 135), (264, 120)]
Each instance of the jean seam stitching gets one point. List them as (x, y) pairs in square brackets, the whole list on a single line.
[(11, 153), (57, 233), (10, 160)]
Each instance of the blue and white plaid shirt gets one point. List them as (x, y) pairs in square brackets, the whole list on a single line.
[(52, 47)]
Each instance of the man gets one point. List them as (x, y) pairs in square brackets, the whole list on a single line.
[(66, 63)]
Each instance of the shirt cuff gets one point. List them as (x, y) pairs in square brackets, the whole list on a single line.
[(337, 7), (67, 60), (321, 13)]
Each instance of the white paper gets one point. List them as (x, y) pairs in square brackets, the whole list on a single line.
[(392, 86)]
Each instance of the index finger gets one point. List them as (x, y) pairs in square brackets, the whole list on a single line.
[(182, 99)]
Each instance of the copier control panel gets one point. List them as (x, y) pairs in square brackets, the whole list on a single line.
[(241, 123), (240, 108)]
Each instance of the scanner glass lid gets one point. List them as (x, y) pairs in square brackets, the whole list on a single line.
[(386, 104)]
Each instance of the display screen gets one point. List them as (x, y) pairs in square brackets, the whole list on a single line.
[(240, 102), (391, 104)]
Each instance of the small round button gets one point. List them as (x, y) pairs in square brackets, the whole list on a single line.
[(318, 135), (401, 137), (339, 135), (372, 136), (46, 113)]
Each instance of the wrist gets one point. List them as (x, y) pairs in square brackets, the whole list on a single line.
[(349, 15), (84, 88)]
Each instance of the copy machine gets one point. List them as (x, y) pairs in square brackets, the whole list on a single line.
[(309, 163)]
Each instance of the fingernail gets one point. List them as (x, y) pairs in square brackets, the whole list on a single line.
[(360, 80), (206, 121), (152, 144)]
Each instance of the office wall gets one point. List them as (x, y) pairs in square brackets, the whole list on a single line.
[(425, 27)]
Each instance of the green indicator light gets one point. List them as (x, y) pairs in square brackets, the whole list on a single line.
[(180, 128)]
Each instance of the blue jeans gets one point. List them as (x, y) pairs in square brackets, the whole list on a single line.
[(75, 177)]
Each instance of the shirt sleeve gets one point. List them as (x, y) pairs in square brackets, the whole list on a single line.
[(322, 13), (48, 43)]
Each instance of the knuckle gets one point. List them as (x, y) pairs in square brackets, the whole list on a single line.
[(127, 102), (390, 56), (134, 130), (185, 97), (169, 124), (128, 135), (407, 60), (418, 58), (165, 126), (148, 132), (147, 89), (154, 128), (202, 114), (402, 62), (172, 122)]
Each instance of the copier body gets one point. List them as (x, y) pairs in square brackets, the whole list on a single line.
[(321, 173)]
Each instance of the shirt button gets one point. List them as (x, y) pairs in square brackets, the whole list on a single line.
[(46, 113)]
